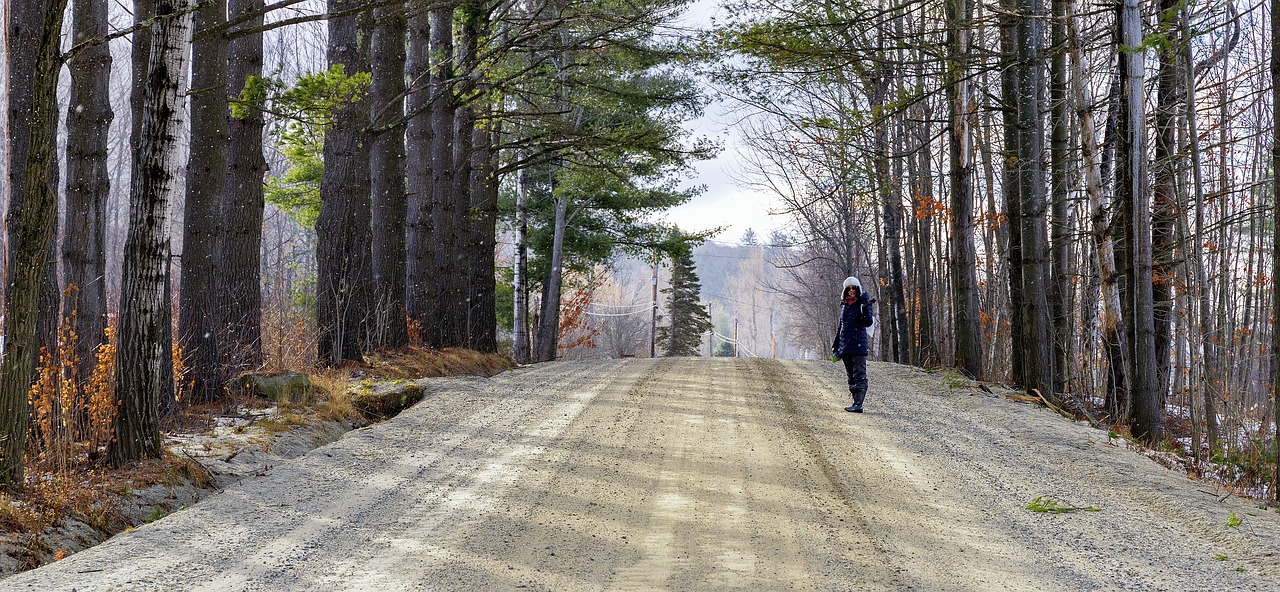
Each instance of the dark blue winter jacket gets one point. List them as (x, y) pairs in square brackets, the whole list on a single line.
[(851, 334)]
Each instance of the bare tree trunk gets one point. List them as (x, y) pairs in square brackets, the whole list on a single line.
[(420, 291), (1212, 380), (1061, 253), (88, 183), (444, 330), (1275, 247), (520, 338), (140, 60), (484, 203), (345, 276), (199, 325), (895, 323), (549, 320), (1131, 188), (1104, 250), (963, 262), (1165, 194), (242, 206), (1010, 92), (388, 176), (1037, 342), (464, 301), (23, 54), (32, 224), (926, 341), (143, 367)]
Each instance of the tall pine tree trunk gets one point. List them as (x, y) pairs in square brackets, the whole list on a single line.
[(549, 319), (420, 292), (31, 223), (963, 257), (444, 199), (88, 183), (344, 306), (199, 325), (483, 319), (1131, 188), (1012, 201), (388, 176), (143, 367), (23, 36), (462, 303), (1061, 253), (242, 206), (1037, 340)]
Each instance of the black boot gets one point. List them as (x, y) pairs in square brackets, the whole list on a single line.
[(858, 396), (856, 407)]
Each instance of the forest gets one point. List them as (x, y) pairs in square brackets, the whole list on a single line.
[(1077, 199)]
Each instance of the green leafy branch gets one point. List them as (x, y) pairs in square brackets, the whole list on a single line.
[(1048, 505)]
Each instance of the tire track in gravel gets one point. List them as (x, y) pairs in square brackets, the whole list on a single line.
[(968, 464), (696, 474), (340, 502)]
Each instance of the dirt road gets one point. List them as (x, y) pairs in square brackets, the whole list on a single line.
[(694, 474)]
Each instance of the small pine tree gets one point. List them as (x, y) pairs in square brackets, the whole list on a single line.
[(688, 317)]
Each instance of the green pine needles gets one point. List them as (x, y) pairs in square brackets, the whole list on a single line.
[(688, 318)]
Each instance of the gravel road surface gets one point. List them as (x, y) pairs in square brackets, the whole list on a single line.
[(698, 474)]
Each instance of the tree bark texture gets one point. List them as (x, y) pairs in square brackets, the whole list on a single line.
[(1275, 247), (1061, 254), (344, 307), (891, 207), (1104, 249), (482, 333), (1213, 361), (449, 326), (1165, 197), (963, 255), (1037, 340), (23, 53), (420, 291), (1012, 201), (464, 304), (520, 282), (140, 60), (89, 119), (242, 205), (33, 81), (548, 341), (387, 159), (1131, 188), (143, 364), (199, 309)]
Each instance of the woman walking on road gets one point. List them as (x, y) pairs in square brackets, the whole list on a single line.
[(850, 344)]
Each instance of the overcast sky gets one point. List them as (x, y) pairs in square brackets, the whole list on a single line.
[(723, 203)]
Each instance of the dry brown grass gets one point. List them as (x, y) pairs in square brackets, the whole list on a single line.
[(421, 362), (72, 424)]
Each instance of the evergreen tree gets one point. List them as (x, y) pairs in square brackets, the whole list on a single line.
[(689, 318)]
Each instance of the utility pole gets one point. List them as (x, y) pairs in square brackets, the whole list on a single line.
[(653, 314), (711, 336), (735, 337), (773, 341)]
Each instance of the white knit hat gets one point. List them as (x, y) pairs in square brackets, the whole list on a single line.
[(851, 281)]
